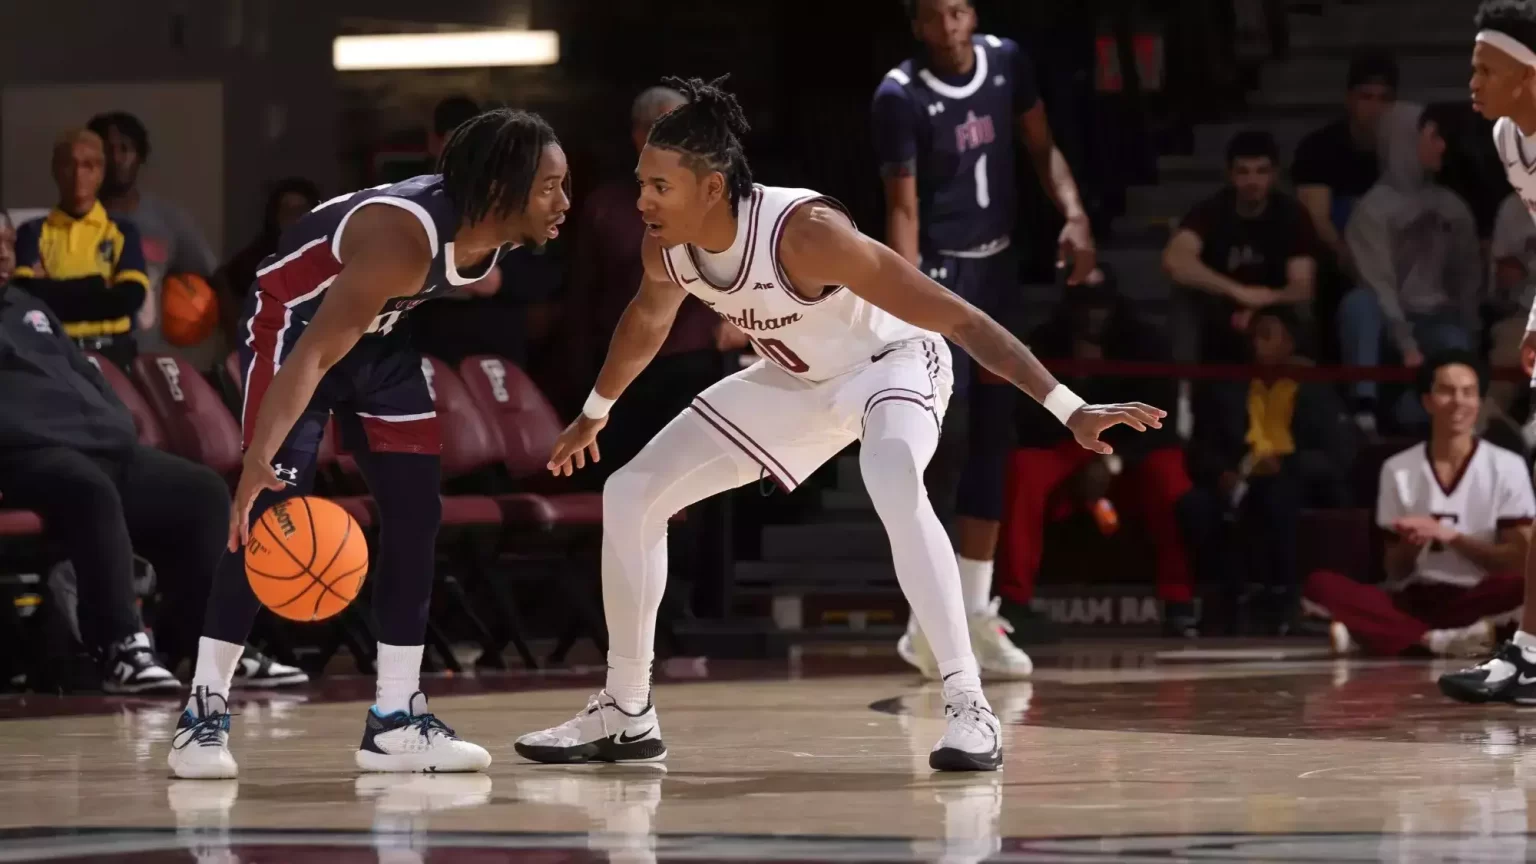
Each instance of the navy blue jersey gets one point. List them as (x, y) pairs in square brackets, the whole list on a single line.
[(956, 135), (291, 282)]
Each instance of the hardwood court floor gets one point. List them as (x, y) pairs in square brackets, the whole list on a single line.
[(1114, 753)]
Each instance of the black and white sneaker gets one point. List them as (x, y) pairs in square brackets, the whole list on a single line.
[(602, 732), (973, 741), (257, 670), (1508, 676), (200, 745), (415, 740), (131, 667)]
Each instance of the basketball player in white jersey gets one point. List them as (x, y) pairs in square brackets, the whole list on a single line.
[(1504, 90), (850, 335)]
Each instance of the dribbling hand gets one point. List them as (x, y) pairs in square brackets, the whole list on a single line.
[(255, 475), (574, 444), (1090, 421)]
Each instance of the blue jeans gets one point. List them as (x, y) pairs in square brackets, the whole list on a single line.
[(1361, 328)]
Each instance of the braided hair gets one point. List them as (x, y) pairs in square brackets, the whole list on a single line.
[(490, 163), (707, 131)]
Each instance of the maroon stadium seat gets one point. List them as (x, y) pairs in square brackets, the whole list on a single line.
[(19, 523), (469, 444), (528, 426), (197, 424), (144, 420)]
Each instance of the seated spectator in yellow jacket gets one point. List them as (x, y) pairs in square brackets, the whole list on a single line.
[(88, 267)]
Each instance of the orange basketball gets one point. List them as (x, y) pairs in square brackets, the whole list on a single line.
[(306, 558), (189, 310)]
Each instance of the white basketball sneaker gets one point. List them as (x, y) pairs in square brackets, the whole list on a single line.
[(998, 657), (973, 741), (415, 740), (200, 745), (602, 732)]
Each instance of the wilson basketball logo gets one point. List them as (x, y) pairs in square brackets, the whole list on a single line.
[(284, 519)]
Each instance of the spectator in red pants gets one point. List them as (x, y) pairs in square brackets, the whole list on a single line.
[(1457, 512), (1144, 478)]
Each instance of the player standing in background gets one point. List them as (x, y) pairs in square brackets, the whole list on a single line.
[(850, 336), (1504, 90), (944, 136), (322, 338)]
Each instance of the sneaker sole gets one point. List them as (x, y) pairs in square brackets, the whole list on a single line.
[(950, 759), (1468, 696), (204, 772), (415, 763), (267, 683), (602, 750)]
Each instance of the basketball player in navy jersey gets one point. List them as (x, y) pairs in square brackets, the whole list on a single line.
[(944, 133), (322, 337)]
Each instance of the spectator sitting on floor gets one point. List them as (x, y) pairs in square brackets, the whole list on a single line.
[(1511, 290), (87, 266), (1261, 451), (170, 237), (1416, 251), (1145, 476), (1337, 164), (1246, 248), (73, 457), (1457, 513)]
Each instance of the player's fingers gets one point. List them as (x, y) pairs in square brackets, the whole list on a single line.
[(1131, 421), (1082, 265), (1145, 416), (1150, 409), (234, 531), (592, 449), (580, 458)]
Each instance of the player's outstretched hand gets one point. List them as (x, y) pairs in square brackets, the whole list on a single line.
[(1075, 249), (255, 475), (1089, 421), (573, 445)]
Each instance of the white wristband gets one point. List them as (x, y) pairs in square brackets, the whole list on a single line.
[(1062, 402), (596, 407)]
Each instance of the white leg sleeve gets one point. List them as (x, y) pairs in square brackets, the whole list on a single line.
[(683, 464), (899, 439)]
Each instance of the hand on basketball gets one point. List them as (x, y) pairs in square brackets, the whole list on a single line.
[(574, 444), (1528, 353), (255, 475), (1076, 244), (1090, 421)]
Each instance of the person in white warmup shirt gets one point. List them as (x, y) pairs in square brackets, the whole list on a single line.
[(851, 339), (1504, 90)]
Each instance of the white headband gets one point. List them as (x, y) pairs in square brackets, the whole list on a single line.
[(1509, 45)]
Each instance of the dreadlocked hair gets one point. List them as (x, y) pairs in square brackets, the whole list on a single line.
[(489, 164), (707, 131), (1514, 18)]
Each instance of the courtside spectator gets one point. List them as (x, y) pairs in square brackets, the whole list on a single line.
[(86, 266), (171, 239), (288, 200), (1415, 248), (1511, 290), (1456, 511), (1261, 451), (1337, 164), (1051, 476), (605, 270), (1246, 248)]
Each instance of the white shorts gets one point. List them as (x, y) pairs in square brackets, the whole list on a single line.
[(791, 427)]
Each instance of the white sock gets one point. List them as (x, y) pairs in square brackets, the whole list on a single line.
[(1527, 644), (975, 583), (216, 664), (629, 682), (399, 677), (899, 439), (962, 681)]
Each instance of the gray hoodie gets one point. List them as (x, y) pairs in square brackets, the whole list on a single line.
[(1414, 242)]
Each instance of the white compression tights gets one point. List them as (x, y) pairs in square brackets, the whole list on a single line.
[(899, 439), (682, 465)]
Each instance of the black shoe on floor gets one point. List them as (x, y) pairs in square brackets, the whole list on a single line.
[(1508, 676)]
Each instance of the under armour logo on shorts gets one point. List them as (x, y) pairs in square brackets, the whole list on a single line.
[(287, 475)]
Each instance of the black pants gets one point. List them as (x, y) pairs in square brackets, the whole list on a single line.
[(99, 509), (1252, 550)]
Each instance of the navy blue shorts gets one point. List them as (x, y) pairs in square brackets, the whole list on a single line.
[(379, 392), (990, 284)]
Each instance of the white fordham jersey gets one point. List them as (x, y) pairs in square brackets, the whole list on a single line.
[(814, 340), (1519, 155), (1493, 492)]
